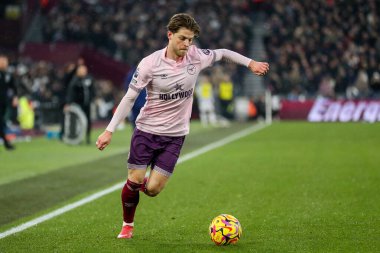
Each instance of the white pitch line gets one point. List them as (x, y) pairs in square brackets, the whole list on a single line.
[(118, 186)]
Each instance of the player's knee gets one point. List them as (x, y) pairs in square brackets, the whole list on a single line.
[(136, 176), (153, 191), (136, 180)]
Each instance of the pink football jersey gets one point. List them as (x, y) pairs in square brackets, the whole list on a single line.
[(170, 88)]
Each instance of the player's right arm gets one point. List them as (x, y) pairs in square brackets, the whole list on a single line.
[(121, 113), (139, 81)]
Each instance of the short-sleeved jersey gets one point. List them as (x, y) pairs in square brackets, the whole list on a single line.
[(170, 88)]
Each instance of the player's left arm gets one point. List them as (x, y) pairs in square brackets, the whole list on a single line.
[(258, 68)]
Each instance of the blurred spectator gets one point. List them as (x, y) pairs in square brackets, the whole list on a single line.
[(69, 72), (362, 84), (226, 96), (326, 87), (296, 94), (81, 91), (7, 90), (206, 101)]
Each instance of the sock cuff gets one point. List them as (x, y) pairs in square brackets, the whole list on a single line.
[(133, 186), (131, 224)]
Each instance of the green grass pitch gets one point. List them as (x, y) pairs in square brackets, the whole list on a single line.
[(294, 186)]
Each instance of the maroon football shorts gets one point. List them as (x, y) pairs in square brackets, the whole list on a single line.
[(160, 152)]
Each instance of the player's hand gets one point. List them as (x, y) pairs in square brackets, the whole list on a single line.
[(258, 68), (104, 140)]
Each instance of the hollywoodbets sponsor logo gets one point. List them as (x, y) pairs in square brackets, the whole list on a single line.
[(178, 95)]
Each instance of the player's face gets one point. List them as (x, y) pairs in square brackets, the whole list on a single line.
[(180, 41)]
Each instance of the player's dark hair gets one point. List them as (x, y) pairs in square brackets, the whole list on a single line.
[(183, 20)]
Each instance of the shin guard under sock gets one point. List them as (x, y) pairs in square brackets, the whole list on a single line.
[(130, 199)]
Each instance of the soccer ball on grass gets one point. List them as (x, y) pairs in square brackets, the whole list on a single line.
[(225, 229)]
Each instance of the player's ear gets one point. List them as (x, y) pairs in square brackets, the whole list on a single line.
[(170, 35)]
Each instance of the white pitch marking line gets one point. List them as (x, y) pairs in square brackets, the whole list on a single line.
[(118, 186)]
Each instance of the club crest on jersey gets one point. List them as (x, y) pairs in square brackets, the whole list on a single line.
[(191, 69), (206, 51)]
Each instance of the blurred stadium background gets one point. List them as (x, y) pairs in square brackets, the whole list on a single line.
[(325, 67), (317, 49)]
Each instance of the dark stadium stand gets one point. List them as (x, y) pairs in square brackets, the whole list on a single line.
[(326, 47)]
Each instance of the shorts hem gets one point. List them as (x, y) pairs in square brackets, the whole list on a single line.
[(137, 166), (162, 171)]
